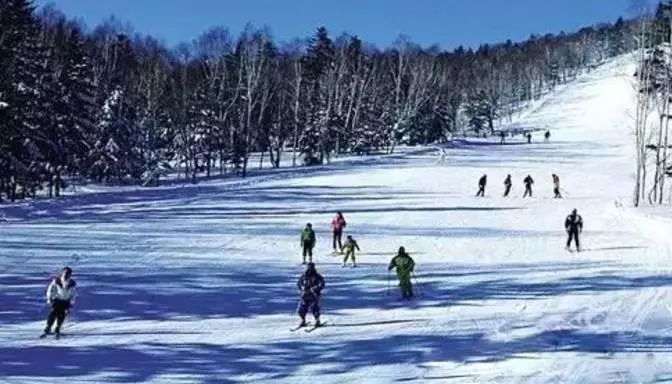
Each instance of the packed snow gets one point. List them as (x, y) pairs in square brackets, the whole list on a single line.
[(185, 284)]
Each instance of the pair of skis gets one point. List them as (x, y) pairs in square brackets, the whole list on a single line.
[(57, 336), (309, 327)]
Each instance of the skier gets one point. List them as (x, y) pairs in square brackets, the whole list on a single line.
[(310, 285), (547, 136), (481, 185), (404, 265), (528, 186), (507, 185), (529, 138), (61, 294), (573, 226), (556, 187), (308, 241), (442, 156), (349, 250), (337, 225), (502, 137)]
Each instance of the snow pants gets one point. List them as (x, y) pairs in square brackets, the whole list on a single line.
[(481, 191), (507, 189), (349, 253), (309, 304), (573, 234), (57, 314), (528, 191), (338, 235), (308, 250), (405, 284), (556, 191)]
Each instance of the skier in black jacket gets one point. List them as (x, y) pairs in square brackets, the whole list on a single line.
[(574, 227), (507, 185), (481, 185), (528, 186), (310, 284)]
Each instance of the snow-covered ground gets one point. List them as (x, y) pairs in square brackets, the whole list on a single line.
[(187, 284)]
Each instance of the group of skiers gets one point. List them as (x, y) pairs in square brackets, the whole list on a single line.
[(309, 240), (62, 290), (311, 283), (528, 136), (528, 181)]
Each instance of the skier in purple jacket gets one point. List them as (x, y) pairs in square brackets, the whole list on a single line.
[(310, 284)]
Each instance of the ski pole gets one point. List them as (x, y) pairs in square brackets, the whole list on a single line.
[(69, 322), (388, 282), (417, 284)]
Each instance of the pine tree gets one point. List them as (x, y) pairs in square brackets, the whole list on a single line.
[(67, 111), (21, 69), (116, 153), (317, 139)]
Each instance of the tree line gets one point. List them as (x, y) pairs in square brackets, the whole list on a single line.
[(653, 77), (108, 105)]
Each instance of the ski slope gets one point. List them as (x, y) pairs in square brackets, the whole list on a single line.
[(189, 284)]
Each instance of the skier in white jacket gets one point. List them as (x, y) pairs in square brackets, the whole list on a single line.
[(60, 295)]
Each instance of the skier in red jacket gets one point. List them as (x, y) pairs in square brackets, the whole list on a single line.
[(337, 225)]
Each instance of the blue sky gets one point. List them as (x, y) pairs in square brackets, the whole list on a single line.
[(449, 23)]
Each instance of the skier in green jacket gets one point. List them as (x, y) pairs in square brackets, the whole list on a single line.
[(404, 265), (308, 242), (349, 251)]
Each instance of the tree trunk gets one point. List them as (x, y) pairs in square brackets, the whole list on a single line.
[(59, 181), (208, 159), (278, 154), (261, 159)]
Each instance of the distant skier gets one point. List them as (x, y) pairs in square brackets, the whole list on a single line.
[(310, 285), (349, 250), (337, 226), (556, 187), (442, 156), (574, 227), (547, 136), (507, 185), (404, 265), (61, 294), (502, 137), (529, 138), (528, 186), (308, 241), (481, 185)]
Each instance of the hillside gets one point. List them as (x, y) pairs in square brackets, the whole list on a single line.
[(197, 283)]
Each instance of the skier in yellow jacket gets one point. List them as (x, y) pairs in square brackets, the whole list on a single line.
[(404, 264)]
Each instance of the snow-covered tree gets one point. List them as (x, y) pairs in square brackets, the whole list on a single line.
[(116, 155)]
